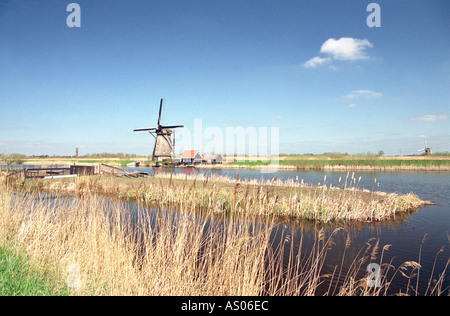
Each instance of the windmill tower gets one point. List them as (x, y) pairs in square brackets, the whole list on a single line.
[(427, 150), (163, 138)]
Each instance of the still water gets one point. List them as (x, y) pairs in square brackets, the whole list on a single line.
[(405, 233)]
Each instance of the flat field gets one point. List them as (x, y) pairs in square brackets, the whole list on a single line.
[(350, 162)]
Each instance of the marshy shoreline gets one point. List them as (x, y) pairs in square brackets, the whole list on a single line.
[(72, 230), (290, 200), (340, 162), (331, 162)]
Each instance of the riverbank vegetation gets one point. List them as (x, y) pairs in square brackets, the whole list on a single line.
[(18, 278), (338, 161), (99, 246), (289, 200), (330, 161)]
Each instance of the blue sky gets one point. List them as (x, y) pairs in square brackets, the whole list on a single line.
[(312, 68)]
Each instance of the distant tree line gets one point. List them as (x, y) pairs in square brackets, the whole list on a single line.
[(111, 155), (339, 154), (99, 155), (14, 158)]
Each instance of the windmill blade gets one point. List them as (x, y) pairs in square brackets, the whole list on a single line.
[(154, 149), (144, 129), (171, 126), (160, 110)]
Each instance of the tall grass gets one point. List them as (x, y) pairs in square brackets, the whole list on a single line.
[(216, 195), (342, 162), (17, 277), (97, 246)]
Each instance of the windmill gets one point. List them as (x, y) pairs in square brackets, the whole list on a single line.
[(163, 138), (427, 150)]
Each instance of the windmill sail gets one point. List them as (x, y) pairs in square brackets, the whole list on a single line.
[(163, 148), (160, 110), (427, 150), (144, 129)]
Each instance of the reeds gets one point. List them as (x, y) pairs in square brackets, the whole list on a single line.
[(98, 246), (285, 199), (355, 163), (101, 248)]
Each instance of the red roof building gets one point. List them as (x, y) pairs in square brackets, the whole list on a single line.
[(191, 156)]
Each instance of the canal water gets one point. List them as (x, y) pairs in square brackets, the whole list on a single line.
[(425, 232)]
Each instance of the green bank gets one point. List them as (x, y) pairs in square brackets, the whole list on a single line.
[(19, 278), (304, 162)]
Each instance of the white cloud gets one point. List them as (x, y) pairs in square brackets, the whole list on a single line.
[(353, 105), (346, 48), (431, 118), (316, 61), (366, 94)]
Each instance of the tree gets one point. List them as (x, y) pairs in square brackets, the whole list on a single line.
[(381, 153), (13, 158)]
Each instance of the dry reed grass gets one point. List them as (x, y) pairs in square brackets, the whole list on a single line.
[(286, 199), (99, 247), (153, 254)]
